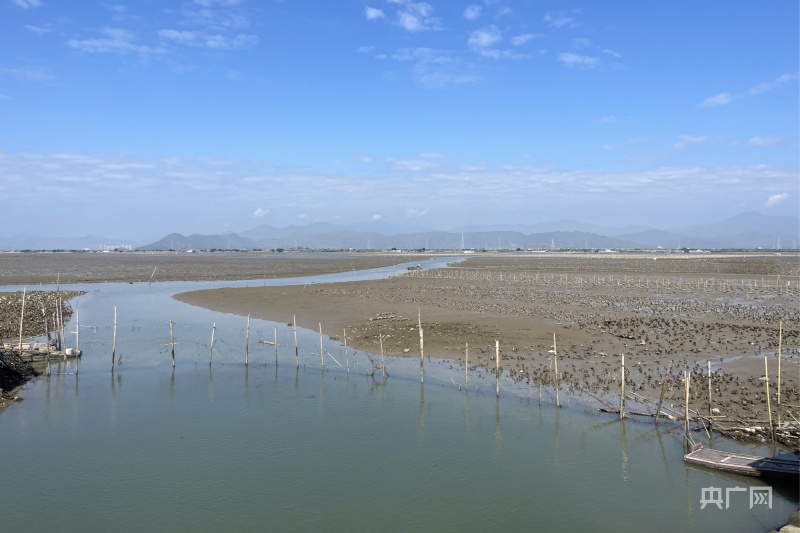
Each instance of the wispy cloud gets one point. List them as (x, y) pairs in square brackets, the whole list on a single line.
[(114, 40), (764, 142), (434, 68), (472, 12), (482, 41), (577, 60), (726, 98), (562, 19), (372, 13), (27, 73), (37, 29), (415, 16), (27, 4), (519, 40), (688, 141), (775, 199), (258, 213), (717, 100)]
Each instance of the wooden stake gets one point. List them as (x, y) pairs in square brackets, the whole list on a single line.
[(346, 355), (296, 352), (114, 342), (21, 321), (558, 378), (686, 407), (622, 388), (321, 352), (77, 330), (663, 391), (780, 342), (247, 343), (172, 343), (497, 367), (709, 386), (383, 363), (466, 370), (153, 274), (276, 346), (421, 350), (211, 354), (769, 408)]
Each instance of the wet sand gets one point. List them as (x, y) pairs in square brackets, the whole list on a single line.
[(677, 313)]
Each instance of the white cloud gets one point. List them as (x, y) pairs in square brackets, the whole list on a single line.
[(481, 41), (770, 85), (373, 13), (519, 40), (116, 40), (178, 35), (717, 100), (415, 16), (775, 199), (687, 141), (375, 218), (472, 12), (503, 12), (37, 29), (258, 213), (562, 19), (209, 3), (763, 142), (576, 60), (413, 212), (435, 68), (34, 74), (27, 4)]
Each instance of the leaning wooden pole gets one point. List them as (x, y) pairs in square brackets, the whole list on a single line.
[(686, 407), (321, 350), (114, 341), (558, 378), (247, 343), (663, 391), (497, 367), (21, 321), (346, 354), (622, 387), (769, 407), (211, 353), (466, 369), (296, 351), (383, 362), (780, 342), (172, 343), (709, 386), (421, 349)]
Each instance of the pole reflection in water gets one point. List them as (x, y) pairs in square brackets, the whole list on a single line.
[(421, 432)]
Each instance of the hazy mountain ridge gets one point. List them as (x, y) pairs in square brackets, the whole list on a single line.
[(746, 230)]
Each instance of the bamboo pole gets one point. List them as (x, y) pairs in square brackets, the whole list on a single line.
[(321, 352), (466, 370), (558, 378), (769, 407), (622, 388), (663, 391), (780, 342), (346, 354), (686, 407), (114, 342), (296, 352), (247, 343), (421, 350), (172, 343), (21, 321), (709, 386), (211, 354), (61, 321), (77, 330), (383, 363), (497, 367), (276, 346)]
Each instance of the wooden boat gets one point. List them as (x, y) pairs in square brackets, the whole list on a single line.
[(739, 463)]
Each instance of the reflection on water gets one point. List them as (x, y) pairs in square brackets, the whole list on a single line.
[(230, 446)]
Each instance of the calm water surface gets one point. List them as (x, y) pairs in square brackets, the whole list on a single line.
[(276, 447)]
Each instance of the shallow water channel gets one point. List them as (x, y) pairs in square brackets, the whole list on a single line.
[(224, 446)]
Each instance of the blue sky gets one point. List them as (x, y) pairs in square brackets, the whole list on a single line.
[(206, 116)]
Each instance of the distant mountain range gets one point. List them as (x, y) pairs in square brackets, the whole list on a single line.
[(747, 230)]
